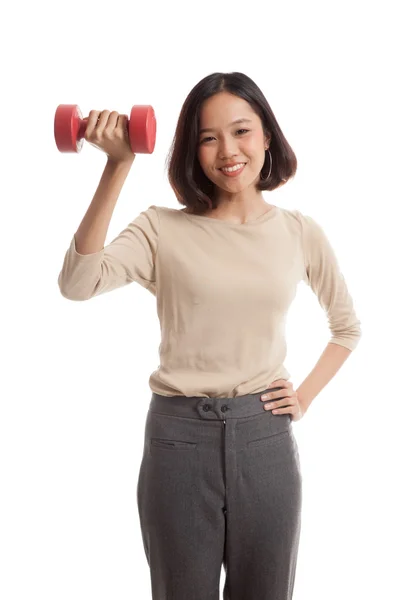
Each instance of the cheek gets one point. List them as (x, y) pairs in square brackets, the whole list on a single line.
[(253, 145), (250, 148), (204, 156)]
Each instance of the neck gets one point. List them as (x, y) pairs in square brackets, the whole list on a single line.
[(239, 209)]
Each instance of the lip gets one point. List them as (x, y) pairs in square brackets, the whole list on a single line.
[(232, 165), (233, 173)]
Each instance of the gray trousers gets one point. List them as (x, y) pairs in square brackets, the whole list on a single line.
[(219, 484)]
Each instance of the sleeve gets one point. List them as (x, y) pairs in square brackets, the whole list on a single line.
[(129, 257), (322, 273)]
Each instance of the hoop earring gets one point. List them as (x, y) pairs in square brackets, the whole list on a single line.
[(270, 167)]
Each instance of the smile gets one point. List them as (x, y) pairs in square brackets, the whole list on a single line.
[(233, 171)]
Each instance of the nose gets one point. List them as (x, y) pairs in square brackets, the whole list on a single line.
[(227, 151), (227, 148)]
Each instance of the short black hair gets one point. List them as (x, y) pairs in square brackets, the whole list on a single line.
[(191, 186)]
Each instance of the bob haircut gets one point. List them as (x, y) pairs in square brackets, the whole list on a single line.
[(191, 186)]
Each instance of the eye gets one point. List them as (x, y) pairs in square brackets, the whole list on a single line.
[(209, 138)]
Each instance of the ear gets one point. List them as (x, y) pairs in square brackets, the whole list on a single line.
[(267, 140)]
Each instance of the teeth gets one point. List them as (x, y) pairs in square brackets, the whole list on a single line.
[(235, 168)]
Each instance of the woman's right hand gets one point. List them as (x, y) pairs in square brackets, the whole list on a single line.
[(108, 131)]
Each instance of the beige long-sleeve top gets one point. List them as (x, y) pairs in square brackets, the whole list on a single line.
[(223, 291)]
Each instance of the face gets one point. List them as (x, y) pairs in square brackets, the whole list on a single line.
[(227, 143)]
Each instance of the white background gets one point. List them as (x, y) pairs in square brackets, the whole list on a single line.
[(75, 375)]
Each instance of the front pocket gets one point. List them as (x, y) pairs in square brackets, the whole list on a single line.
[(270, 440), (171, 444)]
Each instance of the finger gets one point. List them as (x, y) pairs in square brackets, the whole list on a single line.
[(112, 121), (102, 121), (283, 411), (92, 121), (277, 395), (279, 386), (281, 382), (282, 403), (123, 122)]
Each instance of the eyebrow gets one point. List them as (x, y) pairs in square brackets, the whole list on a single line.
[(233, 123)]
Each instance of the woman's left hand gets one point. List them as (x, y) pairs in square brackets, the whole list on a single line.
[(288, 401)]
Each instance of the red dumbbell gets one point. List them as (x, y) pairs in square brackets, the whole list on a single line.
[(70, 127)]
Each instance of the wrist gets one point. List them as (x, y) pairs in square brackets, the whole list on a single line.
[(125, 163), (302, 403)]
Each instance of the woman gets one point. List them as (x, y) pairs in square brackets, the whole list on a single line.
[(220, 479)]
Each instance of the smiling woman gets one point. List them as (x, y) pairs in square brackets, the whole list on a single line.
[(232, 164), (216, 460)]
